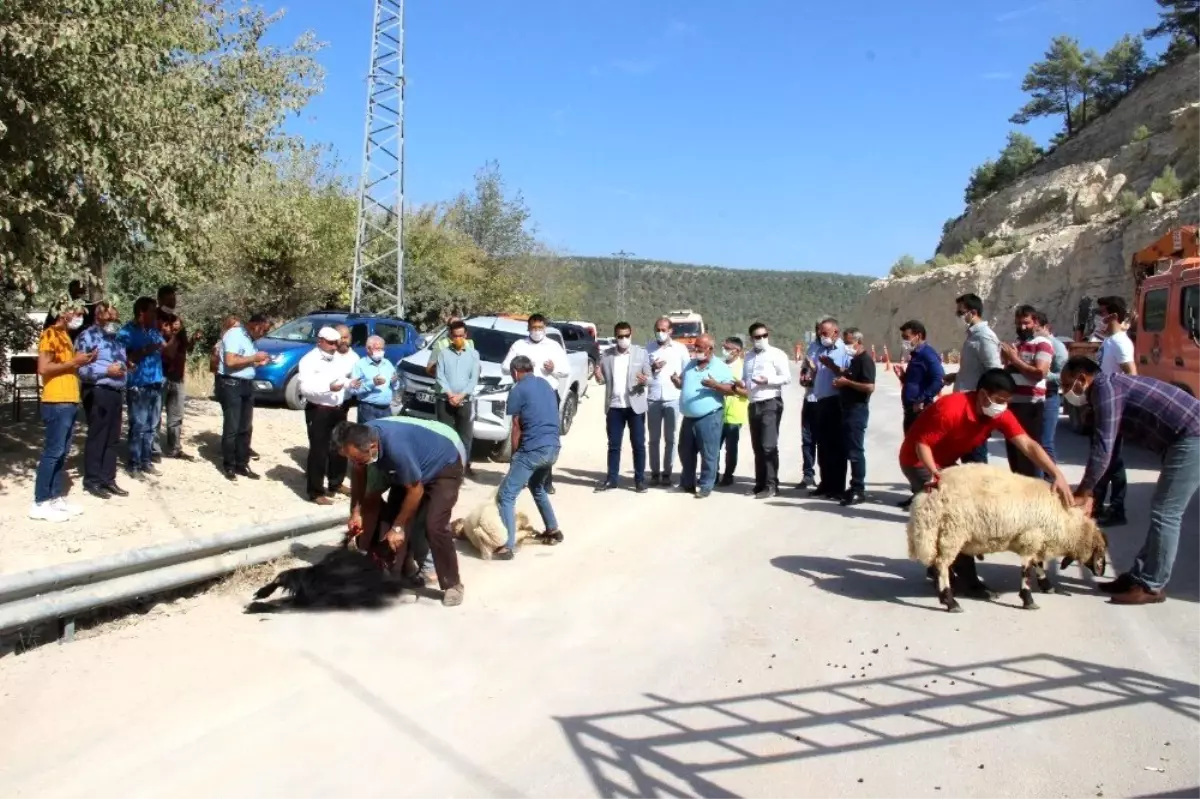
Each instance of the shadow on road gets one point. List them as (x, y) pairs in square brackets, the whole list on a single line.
[(674, 748)]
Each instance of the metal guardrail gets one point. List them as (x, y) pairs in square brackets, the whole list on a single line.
[(63, 592)]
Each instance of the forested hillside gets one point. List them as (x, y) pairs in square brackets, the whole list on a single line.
[(729, 299)]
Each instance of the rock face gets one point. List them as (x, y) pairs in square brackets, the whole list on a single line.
[(1066, 210)]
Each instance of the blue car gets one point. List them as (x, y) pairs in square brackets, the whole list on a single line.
[(277, 381)]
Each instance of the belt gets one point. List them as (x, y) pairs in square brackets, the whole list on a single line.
[(107, 388), (156, 386)]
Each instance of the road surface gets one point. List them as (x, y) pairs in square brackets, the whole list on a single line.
[(725, 647)]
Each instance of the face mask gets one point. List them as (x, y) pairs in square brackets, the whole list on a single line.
[(826, 342), (376, 356), (1076, 398), (662, 336), (993, 409), (373, 457), (75, 323), (623, 343), (906, 345), (111, 328), (730, 356), (1024, 335), (536, 335), (326, 356), (760, 344)]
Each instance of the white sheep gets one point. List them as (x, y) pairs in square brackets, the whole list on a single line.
[(485, 530), (978, 509)]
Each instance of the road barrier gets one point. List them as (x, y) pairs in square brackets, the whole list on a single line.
[(63, 592)]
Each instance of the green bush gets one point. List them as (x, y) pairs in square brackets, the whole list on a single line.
[(907, 265), (1141, 133), (970, 250), (1006, 246), (1128, 203), (940, 260), (1168, 184)]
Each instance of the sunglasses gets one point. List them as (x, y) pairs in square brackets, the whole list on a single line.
[(759, 337)]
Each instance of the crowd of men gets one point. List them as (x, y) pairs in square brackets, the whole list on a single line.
[(406, 473)]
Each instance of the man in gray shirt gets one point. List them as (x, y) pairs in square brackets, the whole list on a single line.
[(980, 352), (457, 378)]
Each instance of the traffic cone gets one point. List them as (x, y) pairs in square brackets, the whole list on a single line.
[(886, 357)]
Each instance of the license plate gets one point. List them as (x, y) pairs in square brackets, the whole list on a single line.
[(425, 396)]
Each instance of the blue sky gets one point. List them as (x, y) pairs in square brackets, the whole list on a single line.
[(777, 134)]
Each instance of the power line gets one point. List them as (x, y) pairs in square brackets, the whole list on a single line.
[(622, 255)]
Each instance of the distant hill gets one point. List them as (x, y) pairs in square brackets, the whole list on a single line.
[(729, 299)]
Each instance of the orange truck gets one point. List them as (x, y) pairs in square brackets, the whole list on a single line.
[(1166, 315), (686, 326)]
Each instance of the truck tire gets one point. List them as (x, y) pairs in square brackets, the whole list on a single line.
[(291, 394), (502, 450), (569, 406)]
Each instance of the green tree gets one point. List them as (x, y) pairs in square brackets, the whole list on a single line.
[(1054, 83), (124, 125), (1179, 19), (498, 224), (1019, 154), (1121, 68)]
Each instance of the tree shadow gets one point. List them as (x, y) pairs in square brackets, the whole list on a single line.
[(689, 748)]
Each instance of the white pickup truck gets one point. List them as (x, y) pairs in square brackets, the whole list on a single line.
[(492, 337)]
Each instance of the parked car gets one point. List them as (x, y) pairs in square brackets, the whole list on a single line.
[(577, 338), (288, 343), (492, 336)]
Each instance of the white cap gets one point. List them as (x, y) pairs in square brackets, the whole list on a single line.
[(329, 334)]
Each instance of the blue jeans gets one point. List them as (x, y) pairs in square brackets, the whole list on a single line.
[(663, 417), (618, 419), (145, 408), (1177, 484), (528, 468), (1052, 406), (59, 420), (369, 413), (701, 436)]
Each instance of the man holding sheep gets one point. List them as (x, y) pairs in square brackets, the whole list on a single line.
[(1162, 418), (954, 428)]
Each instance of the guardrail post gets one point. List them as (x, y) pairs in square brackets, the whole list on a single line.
[(66, 630)]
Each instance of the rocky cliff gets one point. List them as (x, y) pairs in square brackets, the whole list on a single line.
[(1065, 214)]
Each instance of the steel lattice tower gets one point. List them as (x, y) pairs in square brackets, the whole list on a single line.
[(380, 236), (622, 255)]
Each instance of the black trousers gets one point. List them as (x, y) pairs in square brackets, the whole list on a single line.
[(764, 440), (322, 463), (1113, 482), (831, 447), (910, 415), (1030, 415), (854, 422), (462, 419), (731, 436), (103, 436), (237, 413), (808, 437)]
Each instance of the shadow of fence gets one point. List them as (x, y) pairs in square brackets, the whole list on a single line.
[(676, 748)]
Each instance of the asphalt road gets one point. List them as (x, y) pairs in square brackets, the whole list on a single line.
[(725, 647)]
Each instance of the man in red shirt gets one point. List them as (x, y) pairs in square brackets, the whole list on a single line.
[(956, 425)]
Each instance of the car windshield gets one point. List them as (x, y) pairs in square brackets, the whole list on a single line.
[(492, 345), (304, 329), (685, 329)]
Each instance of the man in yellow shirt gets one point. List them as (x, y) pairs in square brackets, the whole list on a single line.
[(58, 365), (736, 411)]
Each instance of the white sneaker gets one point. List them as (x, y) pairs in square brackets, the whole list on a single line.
[(47, 512), (66, 507)]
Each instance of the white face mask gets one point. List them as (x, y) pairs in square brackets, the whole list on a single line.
[(993, 409), (1076, 398), (374, 457), (662, 336), (730, 356), (760, 344), (326, 356), (536, 335), (376, 356), (75, 323), (906, 345), (826, 342), (623, 342), (111, 328)]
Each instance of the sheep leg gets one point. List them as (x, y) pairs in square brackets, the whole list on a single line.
[(1028, 567), (1045, 584), (945, 593)]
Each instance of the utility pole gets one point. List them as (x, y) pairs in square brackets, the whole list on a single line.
[(380, 226), (622, 256)]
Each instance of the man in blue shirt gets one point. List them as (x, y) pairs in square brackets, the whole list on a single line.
[(420, 465), (237, 358), (533, 406), (105, 380), (831, 359), (703, 387), (923, 378), (456, 379), (376, 378), (143, 345)]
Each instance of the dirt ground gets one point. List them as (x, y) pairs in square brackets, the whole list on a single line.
[(190, 500)]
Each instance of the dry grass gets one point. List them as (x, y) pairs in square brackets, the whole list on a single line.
[(198, 380)]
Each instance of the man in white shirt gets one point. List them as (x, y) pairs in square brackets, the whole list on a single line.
[(624, 372), (549, 362), (323, 380), (1116, 357), (667, 359), (765, 371)]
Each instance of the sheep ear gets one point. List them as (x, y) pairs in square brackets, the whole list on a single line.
[(1067, 561)]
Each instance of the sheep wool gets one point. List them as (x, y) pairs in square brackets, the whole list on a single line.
[(978, 509), (484, 528)]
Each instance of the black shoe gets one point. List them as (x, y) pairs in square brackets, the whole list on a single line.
[(687, 489), (550, 489), (469, 473), (766, 493), (150, 470), (246, 472), (806, 483), (727, 480), (604, 485), (703, 493), (1118, 586), (1113, 518), (853, 498), (905, 504), (99, 492), (229, 474), (655, 479), (156, 457), (253, 455), (183, 456), (639, 488), (115, 490), (816, 492), (135, 474)]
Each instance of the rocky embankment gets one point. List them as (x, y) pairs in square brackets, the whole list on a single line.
[(1076, 232)]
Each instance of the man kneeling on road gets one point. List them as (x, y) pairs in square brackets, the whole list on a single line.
[(952, 429), (533, 406), (425, 460)]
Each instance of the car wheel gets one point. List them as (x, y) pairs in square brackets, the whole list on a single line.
[(569, 407), (291, 394), (502, 450)]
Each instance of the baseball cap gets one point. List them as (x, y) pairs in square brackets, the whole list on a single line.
[(329, 334)]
